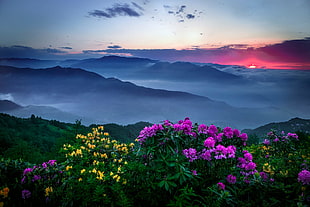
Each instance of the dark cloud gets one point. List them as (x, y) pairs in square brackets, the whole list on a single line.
[(235, 46), (19, 51), (181, 9), (117, 10), (137, 6), (190, 16), (66, 48), (181, 14), (289, 51), (114, 47)]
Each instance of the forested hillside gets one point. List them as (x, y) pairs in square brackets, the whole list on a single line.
[(35, 139)]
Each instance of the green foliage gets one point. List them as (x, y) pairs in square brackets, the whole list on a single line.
[(167, 167), (36, 140)]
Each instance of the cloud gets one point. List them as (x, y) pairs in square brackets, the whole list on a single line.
[(114, 47), (293, 54), (180, 12), (137, 6), (66, 48), (289, 50), (181, 9), (117, 10), (190, 16)]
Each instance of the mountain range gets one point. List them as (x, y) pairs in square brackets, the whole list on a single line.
[(208, 93)]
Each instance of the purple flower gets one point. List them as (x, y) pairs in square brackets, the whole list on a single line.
[(219, 157), (228, 132), (236, 132), (266, 142), (167, 123), (194, 172), (202, 128), (35, 178), (293, 135), (219, 137), (51, 162), (270, 134), (263, 175), (44, 165), (185, 126), (248, 156), (191, 154), (149, 132), (221, 186), (27, 170), (231, 179), (26, 194), (23, 181), (206, 154), (212, 131), (276, 139), (250, 166), (243, 137), (304, 177), (209, 142)]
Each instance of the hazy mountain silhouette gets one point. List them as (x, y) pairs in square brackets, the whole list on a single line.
[(6, 105), (293, 125), (113, 66), (28, 62), (185, 71), (106, 100)]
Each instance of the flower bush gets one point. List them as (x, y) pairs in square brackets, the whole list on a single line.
[(96, 170), (184, 155), (171, 164)]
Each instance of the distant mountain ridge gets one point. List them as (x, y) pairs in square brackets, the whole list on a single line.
[(293, 125), (105, 100), (6, 105)]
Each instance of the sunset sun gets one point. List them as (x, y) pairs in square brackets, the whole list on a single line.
[(252, 66)]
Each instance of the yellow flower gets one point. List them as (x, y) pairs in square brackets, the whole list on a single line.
[(106, 134), (117, 178), (68, 168), (111, 173), (124, 182), (80, 179), (284, 173), (82, 171), (5, 192), (48, 190), (100, 175)]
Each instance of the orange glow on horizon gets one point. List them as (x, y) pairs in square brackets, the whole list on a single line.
[(252, 66)]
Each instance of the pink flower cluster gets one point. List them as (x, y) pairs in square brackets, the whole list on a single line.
[(272, 137), (304, 177), (34, 170), (185, 126), (219, 152), (191, 154), (149, 132), (246, 164)]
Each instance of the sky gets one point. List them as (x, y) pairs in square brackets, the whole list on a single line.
[(253, 33)]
